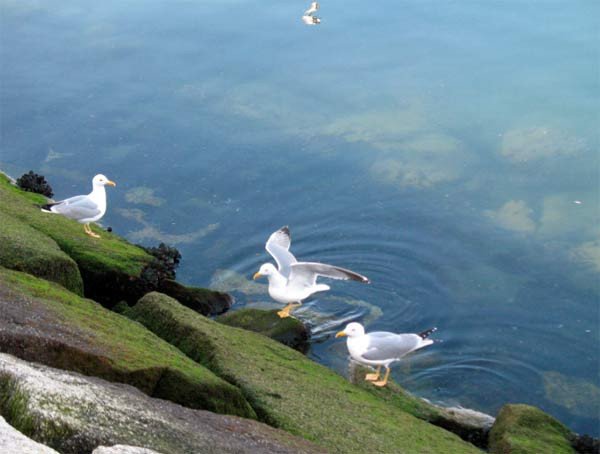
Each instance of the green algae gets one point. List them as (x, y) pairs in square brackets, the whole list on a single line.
[(291, 392), (105, 344), (523, 429)]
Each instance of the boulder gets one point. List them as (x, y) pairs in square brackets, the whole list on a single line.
[(123, 449), (75, 414), (110, 266), (289, 331), (13, 441), (291, 392), (523, 429), (470, 425), (24, 248), (204, 301), (41, 321)]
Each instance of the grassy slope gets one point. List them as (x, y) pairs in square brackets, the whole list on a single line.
[(25, 249), (122, 350), (110, 253), (292, 392)]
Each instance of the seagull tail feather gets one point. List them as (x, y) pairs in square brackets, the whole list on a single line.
[(48, 207), (425, 334)]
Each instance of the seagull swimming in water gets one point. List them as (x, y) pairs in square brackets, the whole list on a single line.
[(314, 6), (309, 18), (293, 281), (381, 348), (84, 208)]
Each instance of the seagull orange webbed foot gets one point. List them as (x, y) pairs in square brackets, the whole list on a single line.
[(375, 376), (383, 382)]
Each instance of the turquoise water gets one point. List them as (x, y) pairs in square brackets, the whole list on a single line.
[(447, 150)]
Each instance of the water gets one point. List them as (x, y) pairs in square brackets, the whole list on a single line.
[(447, 150)]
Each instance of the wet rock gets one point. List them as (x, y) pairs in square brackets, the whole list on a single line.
[(524, 429), (75, 414), (13, 441), (290, 391), (204, 301), (41, 321), (289, 331)]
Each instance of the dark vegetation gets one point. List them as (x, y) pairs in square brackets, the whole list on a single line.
[(33, 182)]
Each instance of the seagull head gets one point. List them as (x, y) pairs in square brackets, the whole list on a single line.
[(101, 180), (266, 269), (352, 330)]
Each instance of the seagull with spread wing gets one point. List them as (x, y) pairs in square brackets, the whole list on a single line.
[(381, 348), (309, 17), (293, 281), (84, 208)]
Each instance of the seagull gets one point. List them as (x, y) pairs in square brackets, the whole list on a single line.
[(293, 281), (84, 208), (381, 348), (311, 20), (314, 6)]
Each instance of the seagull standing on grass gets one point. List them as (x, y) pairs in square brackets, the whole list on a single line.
[(381, 348), (293, 281), (84, 208)]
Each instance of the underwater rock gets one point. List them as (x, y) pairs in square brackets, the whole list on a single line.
[(524, 429), (289, 391), (289, 331), (75, 414), (13, 441), (41, 321)]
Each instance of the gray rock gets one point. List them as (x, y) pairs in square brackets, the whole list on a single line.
[(75, 414), (123, 449), (11, 440)]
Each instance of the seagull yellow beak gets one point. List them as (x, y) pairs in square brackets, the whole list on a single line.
[(256, 276), (111, 183), (340, 334)]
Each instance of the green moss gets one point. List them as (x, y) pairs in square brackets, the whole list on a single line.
[(523, 429), (99, 342), (289, 331), (23, 248), (289, 391), (96, 258)]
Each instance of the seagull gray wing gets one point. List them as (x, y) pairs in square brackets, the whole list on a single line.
[(307, 273), (278, 246), (392, 346), (78, 207)]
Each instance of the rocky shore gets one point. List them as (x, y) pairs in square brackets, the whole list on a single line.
[(97, 355)]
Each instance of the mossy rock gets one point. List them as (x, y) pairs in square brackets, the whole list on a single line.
[(470, 425), (41, 321), (523, 429), (109, 265), (202, 300), (74, 414), (289, 391), (23, 248), (289, 331)]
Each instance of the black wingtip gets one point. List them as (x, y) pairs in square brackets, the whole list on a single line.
[(285, 229), (425, 334)]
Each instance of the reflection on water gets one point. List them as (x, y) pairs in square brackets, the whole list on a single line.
[(446, 150)]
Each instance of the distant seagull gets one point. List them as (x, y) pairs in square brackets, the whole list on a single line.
[(314, 6), (381, 348), (311, 20), (295, 281), (84, 208)]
